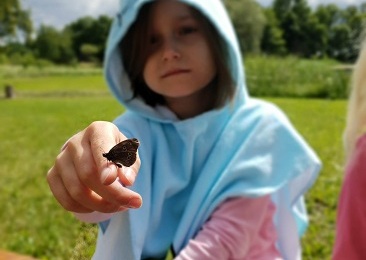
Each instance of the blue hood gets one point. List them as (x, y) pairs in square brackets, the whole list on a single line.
[(118, 80), (246, 148)]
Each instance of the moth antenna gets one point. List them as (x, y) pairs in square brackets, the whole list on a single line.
[(104, 155)]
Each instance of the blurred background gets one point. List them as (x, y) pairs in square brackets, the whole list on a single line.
[(298, 54)]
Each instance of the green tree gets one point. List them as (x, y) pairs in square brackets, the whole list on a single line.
[(89, 52), (90, 31), (53, 45), (14, 20), (340, 41), (328, 15), (303, 33), (281, 8), (343, 29), (344, 35), (249, 21), (272, 39)]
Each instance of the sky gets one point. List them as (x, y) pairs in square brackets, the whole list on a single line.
[(58, 13)]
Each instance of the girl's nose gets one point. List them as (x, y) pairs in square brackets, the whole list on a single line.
[(170, 50)]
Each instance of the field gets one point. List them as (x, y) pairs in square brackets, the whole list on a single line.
[(51, 107)]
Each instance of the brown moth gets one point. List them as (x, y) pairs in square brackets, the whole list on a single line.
[(123, 153)]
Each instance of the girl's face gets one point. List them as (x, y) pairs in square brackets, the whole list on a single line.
[(180, 63)]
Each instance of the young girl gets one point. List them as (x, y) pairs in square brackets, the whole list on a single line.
[(221, 174), (351, 214)]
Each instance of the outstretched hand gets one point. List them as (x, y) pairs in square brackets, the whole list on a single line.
[(83, 181)]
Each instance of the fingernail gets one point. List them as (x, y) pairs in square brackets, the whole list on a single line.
[(104, 174), (135, 203), (129, 174)]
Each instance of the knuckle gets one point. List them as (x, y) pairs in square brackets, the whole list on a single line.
[(70, 205), (50, 174), (71, 148), (91, 128), (95, 126), (87, 174), (58, 165), (50, 178), (76, 193), (100, 127), (58, 158)]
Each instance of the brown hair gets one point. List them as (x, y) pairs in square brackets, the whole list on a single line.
[(135, 53)]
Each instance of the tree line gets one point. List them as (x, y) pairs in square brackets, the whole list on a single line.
[(287, 27)]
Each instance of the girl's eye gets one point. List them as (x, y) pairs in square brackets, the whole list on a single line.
[(187, 30), (153, 39)]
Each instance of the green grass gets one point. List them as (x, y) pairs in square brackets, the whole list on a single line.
[(32, 132), (16, 71), (67, 85), (34, 127), (295, 77)]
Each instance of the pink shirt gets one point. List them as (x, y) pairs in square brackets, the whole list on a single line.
[(351, 217), (240, 228)]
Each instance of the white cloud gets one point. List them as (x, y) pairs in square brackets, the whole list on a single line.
[(58, 13), (99, 6)]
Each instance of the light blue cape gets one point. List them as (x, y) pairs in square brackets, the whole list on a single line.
[(247, 148)]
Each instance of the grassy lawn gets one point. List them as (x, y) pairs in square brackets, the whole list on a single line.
[(32, 132), (35, 125)]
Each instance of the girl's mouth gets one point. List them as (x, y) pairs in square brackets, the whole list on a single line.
[(174, 72)]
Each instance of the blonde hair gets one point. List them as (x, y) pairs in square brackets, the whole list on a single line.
[(356, 114)]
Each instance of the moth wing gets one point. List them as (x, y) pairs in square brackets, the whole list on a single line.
[(128, 159), (124, 153)]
